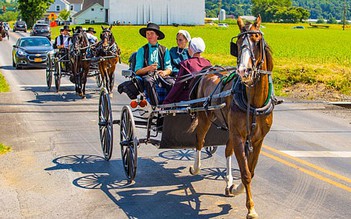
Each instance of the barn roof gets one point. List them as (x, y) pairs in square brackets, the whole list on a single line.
[(76, 1), (87, 4)]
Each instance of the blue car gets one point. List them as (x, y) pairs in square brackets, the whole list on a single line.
[(31, 52)]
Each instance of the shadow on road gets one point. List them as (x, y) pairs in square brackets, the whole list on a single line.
[(66, 94), (158, 190), (7, 67)]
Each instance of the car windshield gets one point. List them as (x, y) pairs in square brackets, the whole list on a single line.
[(41, 27), (35, 42), (20, 23)]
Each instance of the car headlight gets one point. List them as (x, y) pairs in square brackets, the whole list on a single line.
[(21, 52)]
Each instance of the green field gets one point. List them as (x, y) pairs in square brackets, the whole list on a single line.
[(310, 55)]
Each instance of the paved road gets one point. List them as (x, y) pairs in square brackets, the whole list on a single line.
[(56, 168)]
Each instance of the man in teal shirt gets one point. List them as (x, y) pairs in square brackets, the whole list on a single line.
[(153, 64)]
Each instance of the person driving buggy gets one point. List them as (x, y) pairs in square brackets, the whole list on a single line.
[(153, 64), (63, 40), (90, 35)]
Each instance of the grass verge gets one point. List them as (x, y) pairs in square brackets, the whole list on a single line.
[(4, 149), (4, 86)]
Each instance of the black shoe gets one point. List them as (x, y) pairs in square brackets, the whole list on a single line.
[(276, 101)]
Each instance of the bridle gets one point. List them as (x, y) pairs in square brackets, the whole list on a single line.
[(76, 40), (255, 71), (106, 44)]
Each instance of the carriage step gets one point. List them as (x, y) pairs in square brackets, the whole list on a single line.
[(118, 122)]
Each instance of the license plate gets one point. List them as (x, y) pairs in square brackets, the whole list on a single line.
[(38, 59)]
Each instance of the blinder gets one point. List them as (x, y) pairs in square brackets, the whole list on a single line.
[(233, 48)]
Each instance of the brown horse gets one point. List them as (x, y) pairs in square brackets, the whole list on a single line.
[(248, 112), (108, 47), (79, 63)]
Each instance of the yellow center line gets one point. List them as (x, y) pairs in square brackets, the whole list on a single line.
[(339, 185), (308, 164)]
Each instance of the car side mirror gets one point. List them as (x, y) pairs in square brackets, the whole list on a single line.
[(15, 46)]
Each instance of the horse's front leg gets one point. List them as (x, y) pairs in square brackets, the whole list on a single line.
[(246, 178), (203, 126), (231, 189), (84, 80)]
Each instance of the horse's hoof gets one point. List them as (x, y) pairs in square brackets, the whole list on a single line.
[(83, 96), (228, 192), (237, 190), (193, 171), (252, 214), (111, 95)]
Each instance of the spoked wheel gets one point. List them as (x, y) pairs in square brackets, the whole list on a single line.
[(210, 150), (98, 79), (57, 76), (105, 124), (129, 143), (49, 70)]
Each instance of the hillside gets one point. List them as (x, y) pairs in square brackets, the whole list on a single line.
[(318, 8)]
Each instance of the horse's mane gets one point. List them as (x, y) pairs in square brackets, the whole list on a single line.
[(269, 57)]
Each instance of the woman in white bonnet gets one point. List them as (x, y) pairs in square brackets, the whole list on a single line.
[(180, 52), (181, 90)]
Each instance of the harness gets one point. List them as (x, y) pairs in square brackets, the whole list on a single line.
[(238, 91)]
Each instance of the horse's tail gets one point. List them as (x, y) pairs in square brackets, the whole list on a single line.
[(195, 93)]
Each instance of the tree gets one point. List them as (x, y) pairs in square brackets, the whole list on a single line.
[(279, 11), (32, 10), (64, 15), (9, 16), (320, 21), (332, 20)]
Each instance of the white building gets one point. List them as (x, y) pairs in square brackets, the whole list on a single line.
[(93, 12), (73, 6), (163, 12)]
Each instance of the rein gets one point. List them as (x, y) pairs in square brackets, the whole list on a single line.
[(206, 71)]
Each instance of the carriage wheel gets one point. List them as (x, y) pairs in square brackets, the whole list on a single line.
[(129, 143), (98, 79), (210, 150), (105, 124), (57, 76), (49, 70)]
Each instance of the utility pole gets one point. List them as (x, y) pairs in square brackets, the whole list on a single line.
[(344, 19)]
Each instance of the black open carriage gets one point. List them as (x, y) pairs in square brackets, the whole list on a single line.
[(59, 64), (166, 126)]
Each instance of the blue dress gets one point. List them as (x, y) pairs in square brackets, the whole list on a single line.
[(177, 56)]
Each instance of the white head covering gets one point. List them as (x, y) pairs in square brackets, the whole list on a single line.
[(197, 45), (186, 34)]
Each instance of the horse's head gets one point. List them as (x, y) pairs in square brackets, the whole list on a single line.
[(106, 37), (251, 51), (79, 43), (108, 45)]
